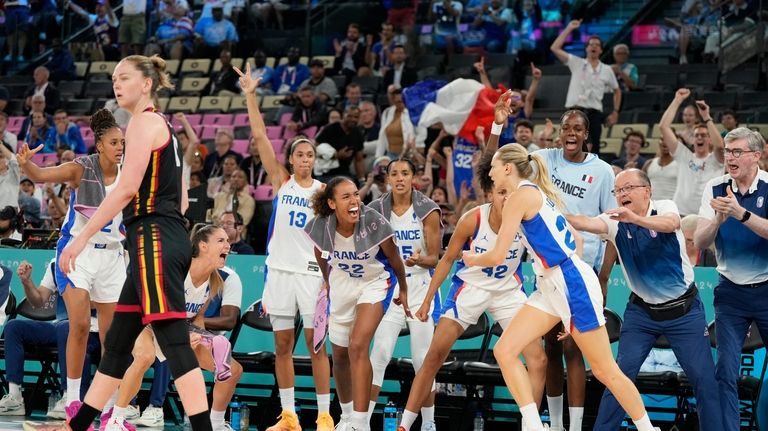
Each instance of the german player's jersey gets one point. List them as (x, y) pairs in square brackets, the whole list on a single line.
[(160, 190)]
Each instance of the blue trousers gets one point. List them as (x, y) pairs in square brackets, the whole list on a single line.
[(690, 341), (160, 382), (25, 334), (735, 309)]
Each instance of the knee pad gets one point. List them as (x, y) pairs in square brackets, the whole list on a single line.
[(118, 344), (173, 338)]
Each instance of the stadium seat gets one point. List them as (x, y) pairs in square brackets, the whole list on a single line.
[(81, 68), (193, 86), (71, 89), (193, 119), (274, 132), (326, 59), (98, 89), (610, 146), (238, 104), (271, 102), (241, 120), (263, 193), (208, 133), (236, 62), (214, 103), (183, 103), (195, 67), (310, 132), (621, 130), (762, 128), (172, 67), (102, 69), (240, 146), (368, 84), (218, 120), (651, 146), (303, 60), (162, 103), (277, 145), (79, 106), (15, 122)]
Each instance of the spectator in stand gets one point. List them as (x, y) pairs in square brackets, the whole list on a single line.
[(396, 129), (41, 133), (262, 71), (27, 188), (698, 19), (10, 224), (61, 63), (221, 183), (196, 179), (446, 14), (697, 167), (223, 146), (662, 170), (739, 17), (402, 14), (369, 121), (545, 139), (166, 8), (399, 74), (524, 135), (214, 33), (350, 54), (494, 20), (175, 37), (68, 133), (16, 26), (236, 199), (697, 256), (253, 168), (7, 138), (352, 97), (263, 9), (626, 73), (323, 86), (5, 96), (347, 139), (190, 146), (289, 76), (590, 78), (379, 55), (308, 112), (690, 118), (133, 27), (38, 105), (231, 8), (633, 143), (225, 81), (66, 157), (104, 21), (42, 87), (232, 223), (376, 183), (10, 176), (334, 116), (525, 35), (729, 121)]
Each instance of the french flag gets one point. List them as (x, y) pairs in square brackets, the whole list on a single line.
[(587, 178), (460, 105)]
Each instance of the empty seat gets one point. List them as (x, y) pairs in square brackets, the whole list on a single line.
[(238, 104), (621, 130), (326, 59), (79, 106), (162, 103), (241, 120), (98, 89), (102, 69), (240, 146), (638, 100), (719, 99), (172, 67), (368, 84), (263, 193), (274, 132), (208, 133), (610, 146), (214, 103), (665, 81), (183, 103), (81, 68), (271, 102), (195, 67), (71, 89), (218, 120), (193, 86), (303, 60)]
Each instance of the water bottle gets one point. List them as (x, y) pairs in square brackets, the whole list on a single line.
[(479, 422), (399, 416), (234, 414), (297, 408), (52, 400), (245, 417), (390, 416)]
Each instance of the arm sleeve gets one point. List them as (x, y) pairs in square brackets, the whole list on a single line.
[(666, 206), (574, 63), (233, 290), (705, 210), (48, 281), (613, 227)]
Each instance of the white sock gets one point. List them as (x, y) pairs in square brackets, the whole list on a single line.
[(323, 403), (14, 390), (73, 390), (110, 402), (119, 413), (555, 406), (576, 414), (409, 418), (359, 420), (217, 419), (371, 406), (347, 409), (644, 423), (428, 414), (531, 418), (287, 400)]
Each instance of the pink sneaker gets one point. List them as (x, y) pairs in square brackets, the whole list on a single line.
[(104, 420), (222, 358), (72, 409)]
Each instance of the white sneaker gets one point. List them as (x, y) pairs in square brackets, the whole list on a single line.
[(114, 425), (344, 424), (152, 417), (428, 426), (132, 413), (225, 427), (58, 410), (12, 406)]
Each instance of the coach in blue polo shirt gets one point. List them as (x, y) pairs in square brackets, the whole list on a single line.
[(733, 214), (664, 299)]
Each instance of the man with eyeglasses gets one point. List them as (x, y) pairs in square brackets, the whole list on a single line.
[(733, 215), (664, 299), (232, 223), (695, 167)]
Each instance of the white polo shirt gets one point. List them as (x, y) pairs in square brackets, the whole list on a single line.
[(692, 175), (588, 84)]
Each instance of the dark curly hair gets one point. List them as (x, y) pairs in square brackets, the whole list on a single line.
[(483, 168), (321, 197), (101, 121)]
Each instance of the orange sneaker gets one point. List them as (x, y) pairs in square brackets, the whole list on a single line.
[(325, 422), (288, 422)]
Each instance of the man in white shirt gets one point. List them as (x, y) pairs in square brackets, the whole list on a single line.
[(695, 167), (7, 138), (590, 79)]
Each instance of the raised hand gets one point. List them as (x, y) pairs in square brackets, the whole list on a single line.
[(247, 83), (503, 108), (180, 116), (337, 46), (24, 271), (25, 154), (573, 25), (682, 94), (480, 66), (535, 72), (703, 109)]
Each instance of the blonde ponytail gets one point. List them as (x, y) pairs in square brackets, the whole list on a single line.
[(530, 166), (541, 179)]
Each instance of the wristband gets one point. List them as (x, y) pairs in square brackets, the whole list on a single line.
[(496, 129)]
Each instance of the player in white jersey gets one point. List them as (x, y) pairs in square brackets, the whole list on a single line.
[(568, 289), (356, 251), (416, 221), (585, 185), (497, 289), (98, 278), (293, 279), (209, 252)]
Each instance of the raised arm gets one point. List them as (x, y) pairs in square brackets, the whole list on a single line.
[(557, 45), (714, 135), (453, 198), (189, 153), (532, 90), (664, 223), (277, 172), (587, 224), (480, 68), (78, 10), (665, 125), (67, 172), (501, 113)]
